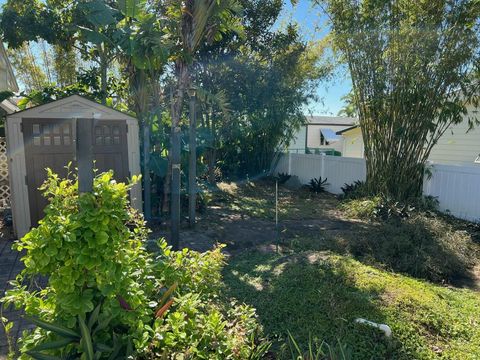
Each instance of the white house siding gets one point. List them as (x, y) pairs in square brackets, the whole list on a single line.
[(297, 145), (353, 144), (7, 77), (458, 146), (309, 135)]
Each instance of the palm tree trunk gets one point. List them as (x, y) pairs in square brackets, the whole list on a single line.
[(182, 72), (192, 162), (103, 74)]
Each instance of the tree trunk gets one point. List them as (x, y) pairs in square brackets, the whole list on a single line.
[(103, 74), (192, 163)]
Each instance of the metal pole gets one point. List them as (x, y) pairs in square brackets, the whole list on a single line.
[(192, 161), (276, 215), (84, 148)]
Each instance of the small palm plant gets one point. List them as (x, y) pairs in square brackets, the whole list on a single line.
[(283, 178), (317, 185)]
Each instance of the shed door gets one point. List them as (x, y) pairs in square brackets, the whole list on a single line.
[(49, 143), (110, 148)]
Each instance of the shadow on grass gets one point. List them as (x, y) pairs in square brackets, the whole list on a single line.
[(426, 247), (308, 295)]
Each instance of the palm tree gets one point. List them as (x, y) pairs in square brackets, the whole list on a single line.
[(197, 22)]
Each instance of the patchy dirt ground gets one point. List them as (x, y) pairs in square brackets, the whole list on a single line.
[(244, 217)]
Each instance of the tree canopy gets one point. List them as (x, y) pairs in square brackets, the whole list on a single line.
[(254, 76)]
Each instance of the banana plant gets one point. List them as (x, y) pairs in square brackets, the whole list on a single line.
[(79, 342)]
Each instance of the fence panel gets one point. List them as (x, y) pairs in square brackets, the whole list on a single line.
[(282, 165), (343, 170), (305, 166), (457, 189)]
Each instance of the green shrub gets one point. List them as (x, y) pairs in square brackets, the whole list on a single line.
[(202, 200), (422, 246), (91, 256), (381, 208), (361, 208), (91, 248), (412, 238), (79, 342), (200, 323)]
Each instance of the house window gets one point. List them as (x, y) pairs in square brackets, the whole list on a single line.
[(328, 136), (323, 141)]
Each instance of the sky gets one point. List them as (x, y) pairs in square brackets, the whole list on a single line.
[(313, 26)]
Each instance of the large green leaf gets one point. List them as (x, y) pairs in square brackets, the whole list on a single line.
[(99, 13), (117, 346), (39, 356), (57, 329), (94, 316), (131, 8), (93, 36), (103, 348), (102, 324), (86, 339), (57, 344)]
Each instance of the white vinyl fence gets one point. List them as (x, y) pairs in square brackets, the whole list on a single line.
[(338, 170), (457, 188)]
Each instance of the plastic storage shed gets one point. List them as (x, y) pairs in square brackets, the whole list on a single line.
[(44, 137)]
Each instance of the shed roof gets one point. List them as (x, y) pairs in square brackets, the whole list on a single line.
[(73, 106)]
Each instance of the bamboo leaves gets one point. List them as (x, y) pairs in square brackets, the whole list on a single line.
[(412, 67)]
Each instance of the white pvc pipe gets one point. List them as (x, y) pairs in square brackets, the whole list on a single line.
[(383, 327)]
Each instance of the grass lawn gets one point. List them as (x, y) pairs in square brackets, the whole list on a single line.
[(317, 285)]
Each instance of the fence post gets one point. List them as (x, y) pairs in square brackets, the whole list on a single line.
[(427, 178), (289, 163), (322, 165)]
